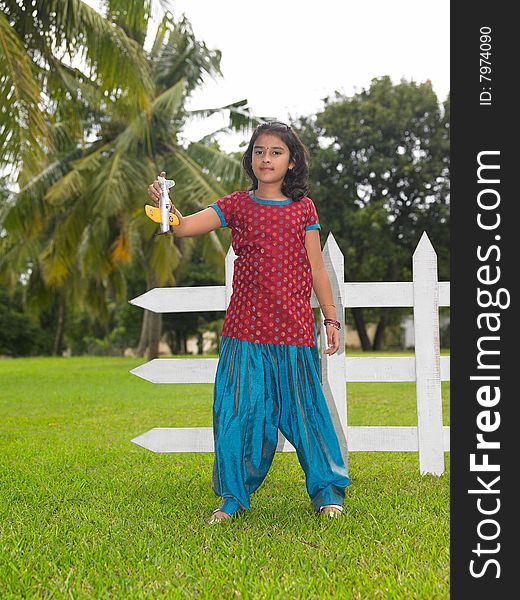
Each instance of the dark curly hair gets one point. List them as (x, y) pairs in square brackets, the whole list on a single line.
[(295, 182)]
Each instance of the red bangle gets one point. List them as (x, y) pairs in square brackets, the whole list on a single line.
[(332, 322)]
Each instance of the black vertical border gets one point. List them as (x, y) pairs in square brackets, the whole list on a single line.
[(476, 128)]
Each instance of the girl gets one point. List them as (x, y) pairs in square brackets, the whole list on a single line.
[(268, 372)]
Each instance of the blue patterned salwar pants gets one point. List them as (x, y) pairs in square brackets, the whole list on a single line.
[(260, 388)]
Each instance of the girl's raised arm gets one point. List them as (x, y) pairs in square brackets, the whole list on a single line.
[(198, 223)]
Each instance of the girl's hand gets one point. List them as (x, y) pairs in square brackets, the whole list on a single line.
[(332, 339), (154, 190)]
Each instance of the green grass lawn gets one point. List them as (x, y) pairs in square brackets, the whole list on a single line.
[(85, 513)]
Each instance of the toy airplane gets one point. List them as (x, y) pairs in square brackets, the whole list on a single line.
[(162, 214), (154, 213)]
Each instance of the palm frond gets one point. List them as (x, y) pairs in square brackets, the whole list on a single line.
[(115, 61), (197, 187), (240, 118), (163, 109), (121, 248), (37, 295), (128, 174), (225, 168), (204, 113), (93, 295), (15, 256), (116, 285), (29, 213), (61, 78), (59, 256), (167, 104), (94, 250), (160, 35), (183, 56), (73, 173), (167, 5), (132, 17), (24, 134), (164, 260), (50, 173)]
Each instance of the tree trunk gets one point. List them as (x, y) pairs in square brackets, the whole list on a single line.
[(154, 335), (151, 327), (378, 337), (359, 321), (57, 349), (200, 341), (145, 335)]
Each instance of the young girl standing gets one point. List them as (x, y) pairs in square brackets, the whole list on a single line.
[(268, 372)]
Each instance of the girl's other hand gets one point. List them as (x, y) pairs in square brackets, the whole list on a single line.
[(154, 189), (332, 339)]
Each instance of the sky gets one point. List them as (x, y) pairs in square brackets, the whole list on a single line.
[(284, 57)]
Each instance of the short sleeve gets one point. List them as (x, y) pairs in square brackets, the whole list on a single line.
[(312, 221), (225, 208)]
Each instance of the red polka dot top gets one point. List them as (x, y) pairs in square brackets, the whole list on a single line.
[(272, 278)]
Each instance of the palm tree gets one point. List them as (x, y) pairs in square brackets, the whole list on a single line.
[(80, 221), (44, 98), (39, 42)]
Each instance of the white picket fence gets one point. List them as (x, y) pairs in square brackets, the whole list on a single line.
[(425, 293)]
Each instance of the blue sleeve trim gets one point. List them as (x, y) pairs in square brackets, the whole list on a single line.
[(315, 226), (220, 214)]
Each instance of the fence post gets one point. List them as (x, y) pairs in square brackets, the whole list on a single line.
[(427, 358), (333, 368), (229, 269)]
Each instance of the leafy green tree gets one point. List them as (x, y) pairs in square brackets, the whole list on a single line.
[(380, 174), (78, 225), (47, 108), (19, 334), (40, 40)]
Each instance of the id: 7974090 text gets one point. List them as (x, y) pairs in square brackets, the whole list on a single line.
[(485, 66)]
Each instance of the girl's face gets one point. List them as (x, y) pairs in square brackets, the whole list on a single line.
[(271, 158)]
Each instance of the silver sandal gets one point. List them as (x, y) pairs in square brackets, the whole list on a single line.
[(333, 514), (214, 519)]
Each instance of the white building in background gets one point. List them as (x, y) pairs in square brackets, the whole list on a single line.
[(407, 331), (208, 340)]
